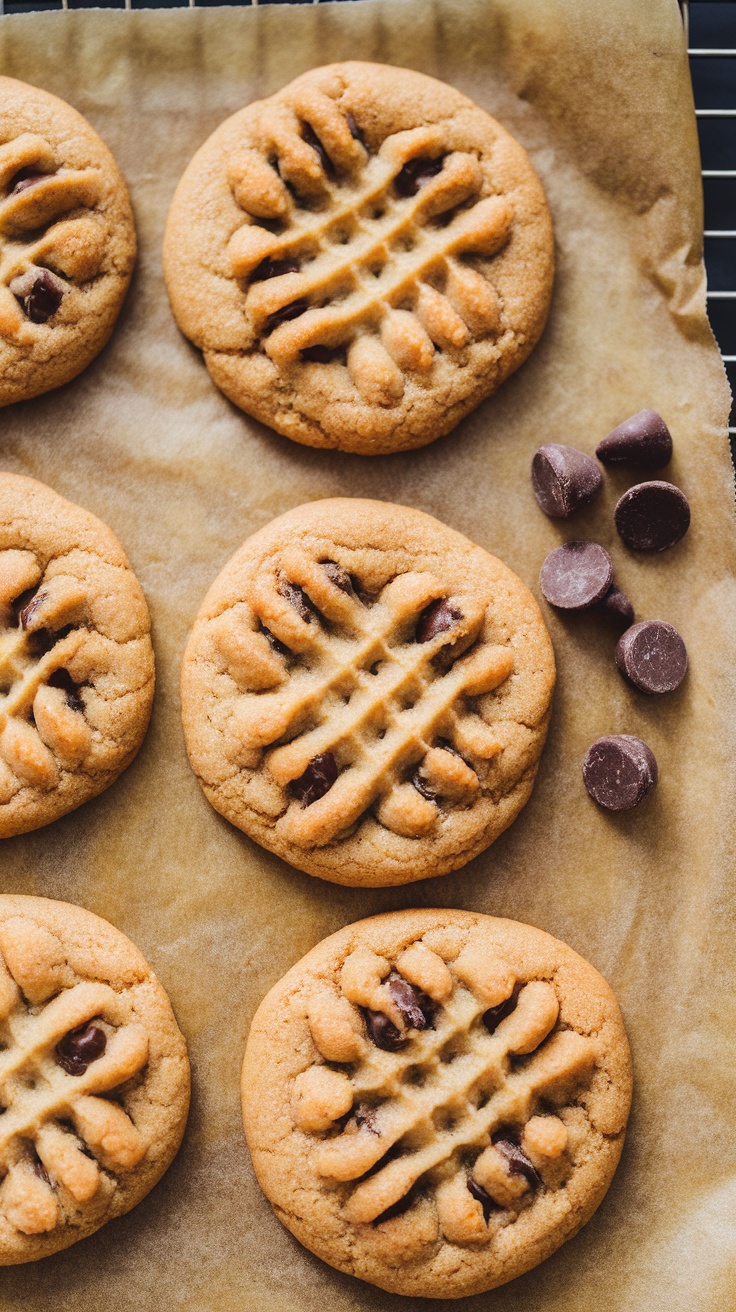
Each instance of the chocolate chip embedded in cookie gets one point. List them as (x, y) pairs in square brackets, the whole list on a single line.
[(67, 242), (366, 693), (462, 1140), (76, 662), (94, 1077), (362, 258)]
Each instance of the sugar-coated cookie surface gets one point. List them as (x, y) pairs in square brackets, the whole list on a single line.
[(67, 242), (434, 1101), (94, 1076), (76, 661), (366, 692), (362, 258)]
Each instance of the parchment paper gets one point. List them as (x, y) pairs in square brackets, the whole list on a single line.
[(598, 92)]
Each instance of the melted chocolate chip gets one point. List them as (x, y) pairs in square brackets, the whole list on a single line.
[(653, 656), (642, 440), (397, 1208), (26, 614), (564, 479), (576, 575), (483, 1197), (298, 598), (355, 131), (39, 292), (619, 772), (339, 576), (415, 173), (80, 1047), (63, 679), (437, 618), (317, 779), (287, 312), (422, 786), (311, 138), (617, 604), (278, 646), (318, 354), (40, 1169), (273, 269), (652, 516), (517, 1161), (493, 1017), (26, 178), (382, 1031), (417, 1009)]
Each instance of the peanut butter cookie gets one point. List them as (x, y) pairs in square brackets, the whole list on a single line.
[(67, 242), (434, 1101), (76, 661), (362, 258), (366, 693), (94, 1076)]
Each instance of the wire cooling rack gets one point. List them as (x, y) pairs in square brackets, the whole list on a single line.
[(710, 26)]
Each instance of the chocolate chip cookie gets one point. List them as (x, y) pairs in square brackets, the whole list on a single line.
[(76, 661), (366, 693), (362, 258), (94, 1076), (434, 1101), (67, 242)]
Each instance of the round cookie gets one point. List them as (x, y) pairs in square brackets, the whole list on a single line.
[(362, 258), (366, 693), (76, 661), (434, 1101), (94, 1076), (67, 242)]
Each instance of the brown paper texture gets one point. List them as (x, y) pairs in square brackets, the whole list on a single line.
[(599, 94)]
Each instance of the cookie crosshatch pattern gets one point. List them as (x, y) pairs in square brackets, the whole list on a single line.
[(456, 1090), (94, 1081), (67, 242), (76, 661), (373, 713), (362, 258)]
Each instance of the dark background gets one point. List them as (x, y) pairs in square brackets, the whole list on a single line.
[(712, 27)]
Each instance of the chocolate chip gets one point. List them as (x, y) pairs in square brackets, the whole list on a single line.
[(278, 646), (273, 269), (653, 656), (483, 1197), (494, 1015), (318, 354), (317, 779), (287, 312), (422, 786), (80, 1047), (298, 598), (382, 1031), (564, 479), (517, 1161), (25, 615), (652, 516), (40, 1169), (398, 1208), (619, 772), (576, 575), (417, 1009), (311, 138), (339, 576), (617, 604), (415, 173), (39, 292), (642, 440), (63, 679), (355, 131), (437, 618), (26, 179)]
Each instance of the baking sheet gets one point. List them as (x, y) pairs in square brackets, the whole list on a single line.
[(598, 91)]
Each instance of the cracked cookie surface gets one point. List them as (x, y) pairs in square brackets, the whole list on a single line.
[(362, 258), (67, 242), (366, 692), (94, 1076), (76, 661), (434, 1100)]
